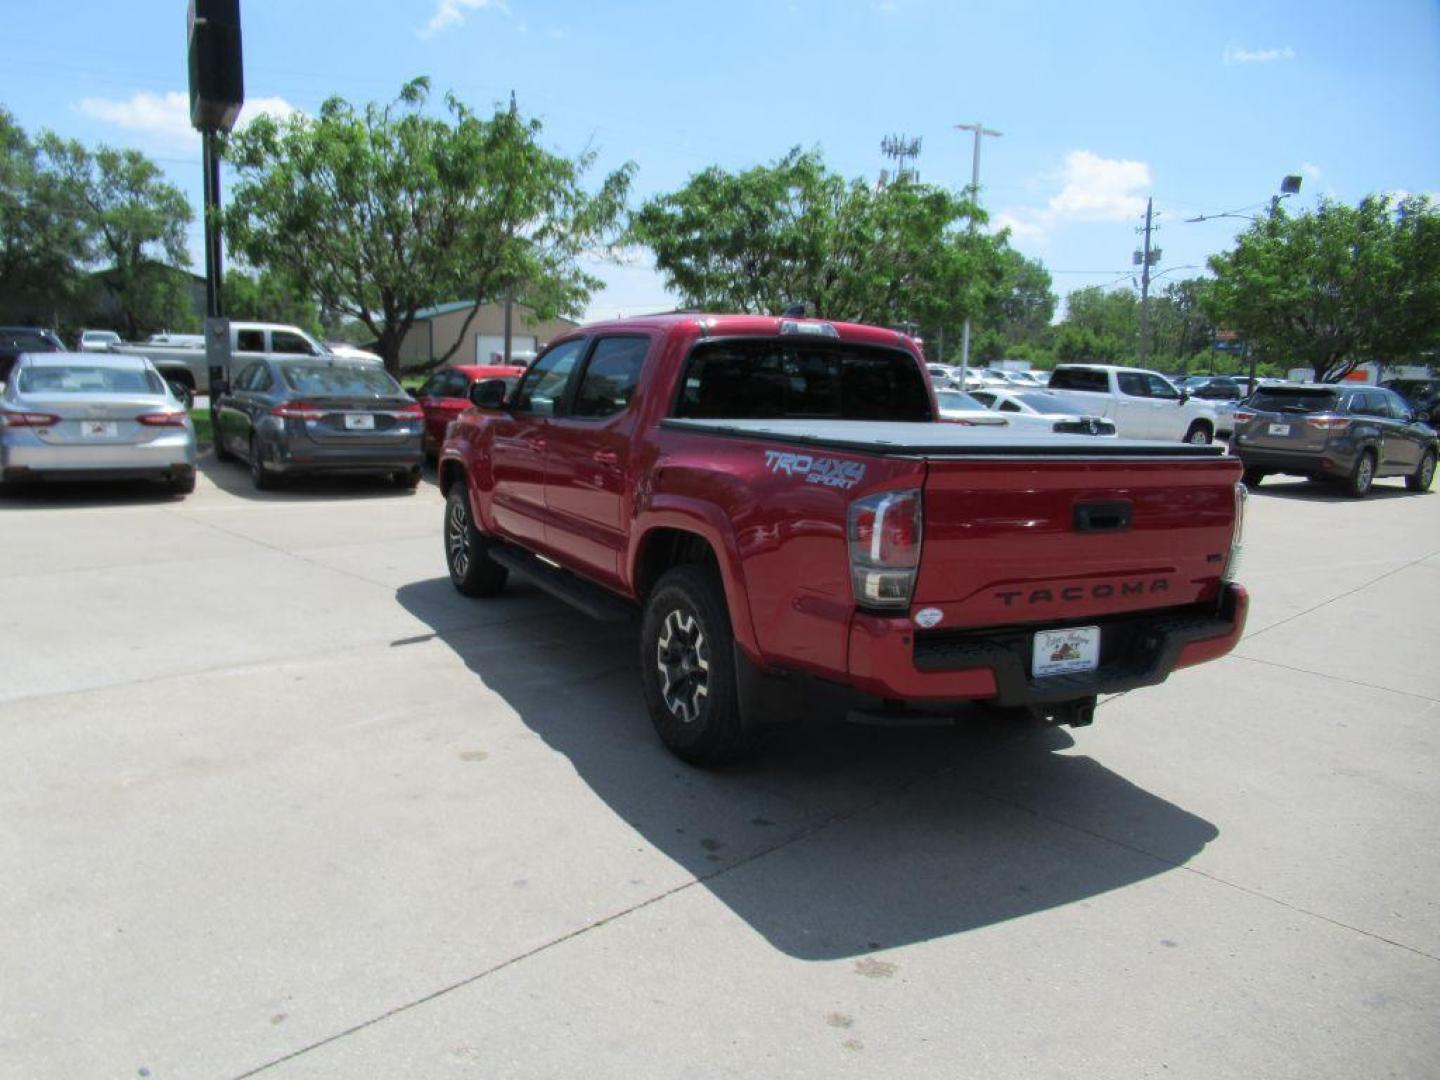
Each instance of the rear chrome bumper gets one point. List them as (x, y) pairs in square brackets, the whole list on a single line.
[(889, 658)]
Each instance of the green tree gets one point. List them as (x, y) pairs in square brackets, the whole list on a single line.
[(381, 212), (1331, 288), (1181, 333), (267, 297), (1017, 313), (793, 231), (138, 222), (44, 236)]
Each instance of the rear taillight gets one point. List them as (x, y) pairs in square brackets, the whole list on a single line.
[(1237, 538), (27, 419), (412, 410), (1329, 423), (162, 419), (1243, 416), (885, 532), (298, 410)]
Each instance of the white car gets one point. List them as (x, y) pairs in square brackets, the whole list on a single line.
[(964, 408), (98, 340), (94, 416), (1042, 404)]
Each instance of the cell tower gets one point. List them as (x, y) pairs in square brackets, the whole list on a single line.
[(902, 150)]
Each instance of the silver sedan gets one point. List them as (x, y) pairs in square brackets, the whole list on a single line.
[(90, 416)]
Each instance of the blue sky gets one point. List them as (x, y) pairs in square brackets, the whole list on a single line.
[(1204, 105)]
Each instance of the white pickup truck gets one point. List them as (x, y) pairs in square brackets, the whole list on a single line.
[(1143, 404), (181, 358)]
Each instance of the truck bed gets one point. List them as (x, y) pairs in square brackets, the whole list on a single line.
[(891, 439)]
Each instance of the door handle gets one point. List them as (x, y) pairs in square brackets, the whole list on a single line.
[(606, 457)]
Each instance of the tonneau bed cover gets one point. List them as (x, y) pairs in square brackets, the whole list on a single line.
[(892, 439)]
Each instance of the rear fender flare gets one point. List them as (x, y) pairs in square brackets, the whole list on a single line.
[(709, 523)]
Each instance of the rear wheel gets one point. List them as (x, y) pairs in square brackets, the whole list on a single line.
[(1253, 477), (472, 571), (1199, 434), (1424, 473), (406, 479), (687, 668), (1359, 481), (261, 475), (182, 485)]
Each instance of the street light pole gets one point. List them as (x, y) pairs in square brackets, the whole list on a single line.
[(980, 130)]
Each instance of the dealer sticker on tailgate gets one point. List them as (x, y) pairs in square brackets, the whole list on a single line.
[(1060, 652)]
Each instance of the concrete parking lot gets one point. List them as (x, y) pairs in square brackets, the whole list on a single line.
[(274, 799)]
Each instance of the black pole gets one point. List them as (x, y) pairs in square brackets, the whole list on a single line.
[(214, 274)]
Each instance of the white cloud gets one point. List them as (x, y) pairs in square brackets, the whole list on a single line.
[(1232, 55), (452, 13), (1021, 228), (1092, 188), (1311, 172), (163, 120), (1100, 189)]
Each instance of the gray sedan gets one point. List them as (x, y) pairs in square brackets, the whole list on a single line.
[(283, 416), (86, 416)]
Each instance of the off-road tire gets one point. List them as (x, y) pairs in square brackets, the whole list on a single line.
[(1253, 477), (1359, 482), (1200, 434), (687, 668), (1420, 479), (472, 571)]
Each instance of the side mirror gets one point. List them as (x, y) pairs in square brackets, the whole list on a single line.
[(1184, 397), (488, 394)]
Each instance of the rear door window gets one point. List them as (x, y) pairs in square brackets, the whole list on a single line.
[(1086, 379), (770, 379), (250, 341)]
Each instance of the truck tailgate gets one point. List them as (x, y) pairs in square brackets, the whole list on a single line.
[(1010, 541)]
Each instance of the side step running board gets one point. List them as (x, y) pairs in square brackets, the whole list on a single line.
[(594, 601)]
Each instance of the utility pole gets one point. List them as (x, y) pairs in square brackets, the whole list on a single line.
[(1146, 257), (980, 130)]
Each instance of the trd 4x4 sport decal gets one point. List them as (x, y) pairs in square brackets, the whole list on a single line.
[(832, 472)]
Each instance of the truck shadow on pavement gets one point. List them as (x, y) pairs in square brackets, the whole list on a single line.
[(837, 839)]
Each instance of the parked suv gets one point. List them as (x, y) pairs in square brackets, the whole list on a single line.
[(1349, 435)]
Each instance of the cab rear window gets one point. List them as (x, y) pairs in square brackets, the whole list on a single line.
[(766, 379)]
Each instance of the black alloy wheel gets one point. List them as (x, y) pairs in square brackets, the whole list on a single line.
[(472, 571), (687, 668)]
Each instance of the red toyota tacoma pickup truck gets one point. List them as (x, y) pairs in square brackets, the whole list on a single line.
[(774, 498)]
